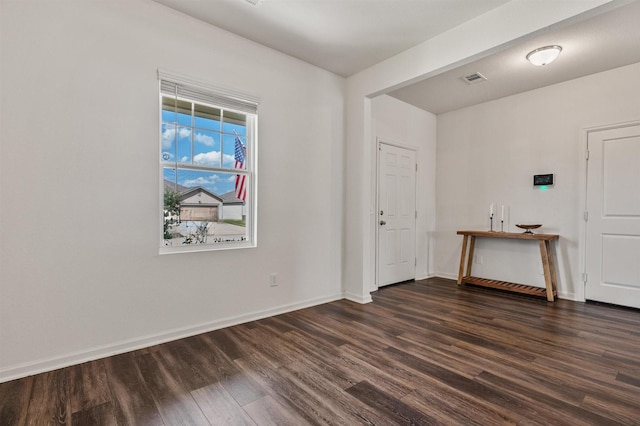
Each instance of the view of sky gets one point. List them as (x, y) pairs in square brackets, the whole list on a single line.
[(200, 136)]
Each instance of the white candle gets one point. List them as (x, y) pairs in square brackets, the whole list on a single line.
[(491, 209), (502, 217)]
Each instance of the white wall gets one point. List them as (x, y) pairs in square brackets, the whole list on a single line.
[(477, 38), (79, 134), (397, 122), (490, 152)]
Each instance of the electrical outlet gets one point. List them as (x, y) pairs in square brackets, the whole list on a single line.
[(479, 260), (273, 279)]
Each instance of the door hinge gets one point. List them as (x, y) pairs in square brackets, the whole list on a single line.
[(416, 216), (416, 167), (584, 277), (586, 216), (586, 154), (415, 261)]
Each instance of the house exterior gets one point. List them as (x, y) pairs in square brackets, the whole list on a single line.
[(233, 207), (200, 205)]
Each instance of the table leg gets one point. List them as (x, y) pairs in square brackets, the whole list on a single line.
[(472, 245), (462, 258), (552, 266), (544, 254)]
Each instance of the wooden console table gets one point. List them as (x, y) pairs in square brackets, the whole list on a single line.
[(548, 264)]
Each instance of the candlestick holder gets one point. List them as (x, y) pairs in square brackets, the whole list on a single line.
[(501, 225), (491, 223)]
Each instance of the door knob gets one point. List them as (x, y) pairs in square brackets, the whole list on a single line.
[(382, 222)]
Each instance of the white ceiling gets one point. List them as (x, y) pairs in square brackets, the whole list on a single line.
[(342, 36), (604, 42), (348, 36)]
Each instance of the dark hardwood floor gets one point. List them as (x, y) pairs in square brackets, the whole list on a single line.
[(422, 353)]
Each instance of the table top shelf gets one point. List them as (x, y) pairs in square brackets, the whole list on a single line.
[(513, 235)]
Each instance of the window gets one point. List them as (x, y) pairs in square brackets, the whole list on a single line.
[(208, 166)]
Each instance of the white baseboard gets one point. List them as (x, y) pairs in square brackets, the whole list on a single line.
[(446, 275), (569, 296), (358, 298), (74, 358), (426, 277)]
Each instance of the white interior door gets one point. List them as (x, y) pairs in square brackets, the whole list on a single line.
[(396, 214), (613, 225)]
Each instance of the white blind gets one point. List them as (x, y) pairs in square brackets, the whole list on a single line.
[(175, 85)]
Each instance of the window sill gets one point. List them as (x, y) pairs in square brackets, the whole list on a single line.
[(206, 247)]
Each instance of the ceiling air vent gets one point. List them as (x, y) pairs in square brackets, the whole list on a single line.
[(474, 78)]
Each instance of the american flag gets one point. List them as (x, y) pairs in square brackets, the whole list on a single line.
[(241, 188)]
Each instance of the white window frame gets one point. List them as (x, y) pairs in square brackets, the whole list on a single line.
[(207, 94)]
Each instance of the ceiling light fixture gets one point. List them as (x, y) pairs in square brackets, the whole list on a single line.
[(544, 55)]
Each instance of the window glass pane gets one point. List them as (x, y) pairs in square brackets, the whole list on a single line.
[(234, 121), (184, 144), (184, 119), (168, 116), (201, 208), (206, 117), (206, 150), (229, 148), (168, 142), (176, 111)]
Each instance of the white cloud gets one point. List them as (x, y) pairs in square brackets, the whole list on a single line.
[(202, 181), (211, 158), (169, 135), (204, 139)]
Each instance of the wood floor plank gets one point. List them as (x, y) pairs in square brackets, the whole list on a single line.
[(635, 381), (132, 402), (102, 414), (311, 329), (349, 409), (391, 377), (15, 397), (51, 404), (392, 408), (189, 362), (323, 361), (495, 395), (287, 391), (447, 406), (224, 340), (555, 410), (266, 411), (241, 386), (219, 407), (615, 410), (175, 404), (89, 387), (424, 352)]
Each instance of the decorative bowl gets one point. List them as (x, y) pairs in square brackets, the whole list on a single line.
[(528, 228)]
